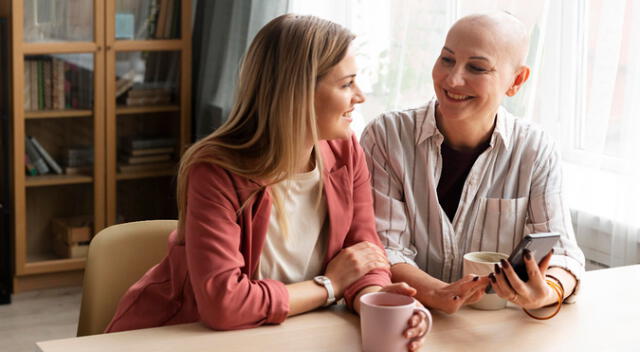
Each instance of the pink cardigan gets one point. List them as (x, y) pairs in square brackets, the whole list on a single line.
[(209, 276)]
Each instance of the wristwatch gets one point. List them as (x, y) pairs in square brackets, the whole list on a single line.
[(324, 281)]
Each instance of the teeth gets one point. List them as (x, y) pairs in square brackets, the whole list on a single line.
[(348, 114), (456, 97)]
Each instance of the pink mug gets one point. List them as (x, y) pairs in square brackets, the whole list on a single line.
[(383, 319)]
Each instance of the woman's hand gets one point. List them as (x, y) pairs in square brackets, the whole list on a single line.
[(352, 263), (451, 297), (532, 294)]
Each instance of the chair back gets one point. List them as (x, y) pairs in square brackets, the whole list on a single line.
[(118, 257)]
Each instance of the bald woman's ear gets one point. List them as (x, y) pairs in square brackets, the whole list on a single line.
[(522, 75)]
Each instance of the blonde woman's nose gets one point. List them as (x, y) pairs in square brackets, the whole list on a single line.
[(359, 97)]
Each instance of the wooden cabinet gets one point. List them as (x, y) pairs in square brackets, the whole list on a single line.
[(103, 87)]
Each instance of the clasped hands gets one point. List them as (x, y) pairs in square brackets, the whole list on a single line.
[(533, 294)]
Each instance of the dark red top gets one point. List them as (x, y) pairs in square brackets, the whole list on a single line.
[(456, 166)]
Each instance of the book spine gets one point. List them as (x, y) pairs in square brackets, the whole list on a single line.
[(54, 165), (27, 86), (152, 19), (33, 64), (35, 157), (73, 68), (60, 88), (41, 101), (54, 84), (67, 85), (48, 94), (31, 170), (151, 143), (162, 19), (175, 22)]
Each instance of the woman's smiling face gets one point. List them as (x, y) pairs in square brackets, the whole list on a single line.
[(336, 96), (473, 73)]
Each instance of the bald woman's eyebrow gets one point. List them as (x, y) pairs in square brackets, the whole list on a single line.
[(470, 57), (478, 58)]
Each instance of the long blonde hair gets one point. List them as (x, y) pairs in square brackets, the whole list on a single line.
[(273, 114)]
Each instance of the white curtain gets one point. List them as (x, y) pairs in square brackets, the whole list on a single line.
[(588, 99), (584, 91)]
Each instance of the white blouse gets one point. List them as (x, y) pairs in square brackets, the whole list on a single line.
[(298, 255)]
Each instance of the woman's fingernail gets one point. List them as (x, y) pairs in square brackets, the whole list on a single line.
[(505, 264), (496, 268), (492, 277), (552, 250), (476, 278), (527, 253)]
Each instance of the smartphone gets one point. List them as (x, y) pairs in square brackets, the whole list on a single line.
[(539, 244)]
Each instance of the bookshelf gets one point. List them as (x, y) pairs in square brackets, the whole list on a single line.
[(105, 92)]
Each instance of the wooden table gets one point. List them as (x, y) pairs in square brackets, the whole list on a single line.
[(605, 318)]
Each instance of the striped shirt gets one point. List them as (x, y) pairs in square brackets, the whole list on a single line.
[(514, 188)]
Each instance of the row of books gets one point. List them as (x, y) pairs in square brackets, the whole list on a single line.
[(52, 84), (38, 160), (139, 154), (146, 154)]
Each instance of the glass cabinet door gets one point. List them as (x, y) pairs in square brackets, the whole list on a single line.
[(58, 20), (58, 136), (147, 134), (59, 155)]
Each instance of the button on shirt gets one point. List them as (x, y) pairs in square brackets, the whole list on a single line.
[(514, 188)]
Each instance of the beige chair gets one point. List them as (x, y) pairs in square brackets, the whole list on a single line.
[(118, 256)]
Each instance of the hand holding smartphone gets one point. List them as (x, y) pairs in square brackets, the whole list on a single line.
[(539, 244)]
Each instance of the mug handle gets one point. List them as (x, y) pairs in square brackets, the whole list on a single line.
[(426, 312)]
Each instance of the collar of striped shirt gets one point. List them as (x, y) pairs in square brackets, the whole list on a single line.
[(426, 119)]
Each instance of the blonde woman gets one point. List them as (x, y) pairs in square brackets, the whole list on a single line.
[(275, 208)]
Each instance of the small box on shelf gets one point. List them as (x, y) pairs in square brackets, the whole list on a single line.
[(71, 236)]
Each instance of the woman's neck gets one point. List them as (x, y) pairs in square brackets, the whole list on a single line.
[(465, 135), (307, 160)]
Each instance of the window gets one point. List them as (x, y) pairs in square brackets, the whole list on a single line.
[(584, 89)]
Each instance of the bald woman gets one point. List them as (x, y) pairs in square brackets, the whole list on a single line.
[(461, 174)]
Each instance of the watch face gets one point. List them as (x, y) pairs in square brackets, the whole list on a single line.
[(320, 279)]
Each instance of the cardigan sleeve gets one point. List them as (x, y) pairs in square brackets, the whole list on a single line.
[(363, 223), (226, 297)]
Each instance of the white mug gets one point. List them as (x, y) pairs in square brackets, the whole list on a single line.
[(482, 263)]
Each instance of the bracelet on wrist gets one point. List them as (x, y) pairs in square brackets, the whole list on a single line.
[(559, 290), (549, 276)]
